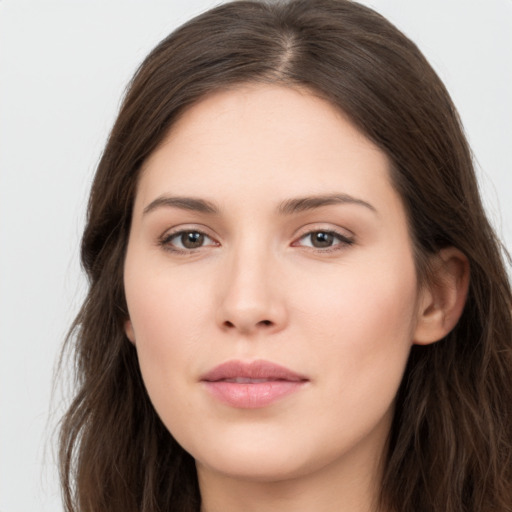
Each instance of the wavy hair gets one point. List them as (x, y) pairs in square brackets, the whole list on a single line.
[(450, 445)]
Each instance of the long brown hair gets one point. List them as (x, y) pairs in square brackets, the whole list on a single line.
[(450, 446)]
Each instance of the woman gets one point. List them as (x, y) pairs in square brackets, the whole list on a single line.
[(296, 301)]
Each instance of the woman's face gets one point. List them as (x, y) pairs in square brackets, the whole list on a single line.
[(271, 286)]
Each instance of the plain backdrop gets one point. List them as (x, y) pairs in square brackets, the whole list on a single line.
[(63, 68)]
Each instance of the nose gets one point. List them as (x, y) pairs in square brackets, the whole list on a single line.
[(251, 299)]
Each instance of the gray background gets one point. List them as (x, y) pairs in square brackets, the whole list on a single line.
[(63, 68)]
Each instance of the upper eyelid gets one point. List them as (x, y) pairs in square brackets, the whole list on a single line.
[(325, 227), (328, 230), (204, 230), (174, 234)]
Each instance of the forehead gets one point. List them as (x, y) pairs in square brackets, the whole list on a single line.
[(265, 142)]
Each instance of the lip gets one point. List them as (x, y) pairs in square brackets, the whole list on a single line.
[(251, 385)]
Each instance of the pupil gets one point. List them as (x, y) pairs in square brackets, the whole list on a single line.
[(192, 240), (321, 239)]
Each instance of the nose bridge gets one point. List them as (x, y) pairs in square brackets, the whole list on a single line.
[(250, 298)]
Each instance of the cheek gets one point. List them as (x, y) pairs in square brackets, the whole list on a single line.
[(164, 301), (373, 298), (168, 316), (360, 331)]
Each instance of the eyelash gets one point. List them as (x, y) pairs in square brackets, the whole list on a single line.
[(166, 239), (342, 241)]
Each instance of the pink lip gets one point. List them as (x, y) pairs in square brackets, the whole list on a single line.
[(266, 383)]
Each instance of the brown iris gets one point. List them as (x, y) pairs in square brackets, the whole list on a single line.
[(321, 239), (192, 239)]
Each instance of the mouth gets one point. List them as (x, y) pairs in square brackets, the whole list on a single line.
[(252, 385)]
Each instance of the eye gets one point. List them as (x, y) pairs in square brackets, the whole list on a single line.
[(186, 240), (323, 239)]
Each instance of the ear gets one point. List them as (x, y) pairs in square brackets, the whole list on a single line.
[(442, 301), (128, 329)]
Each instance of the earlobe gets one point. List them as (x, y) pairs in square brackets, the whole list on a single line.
[(128, 329), (442, 302)]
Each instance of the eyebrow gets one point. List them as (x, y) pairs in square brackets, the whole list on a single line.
[(184, 203), (288, 207), (301, 204)]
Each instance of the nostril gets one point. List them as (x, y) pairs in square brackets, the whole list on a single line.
[(264, 323)]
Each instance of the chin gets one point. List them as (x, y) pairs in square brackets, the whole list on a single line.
[(253, 455), (262, 457), (276, 453), (257, 467)]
